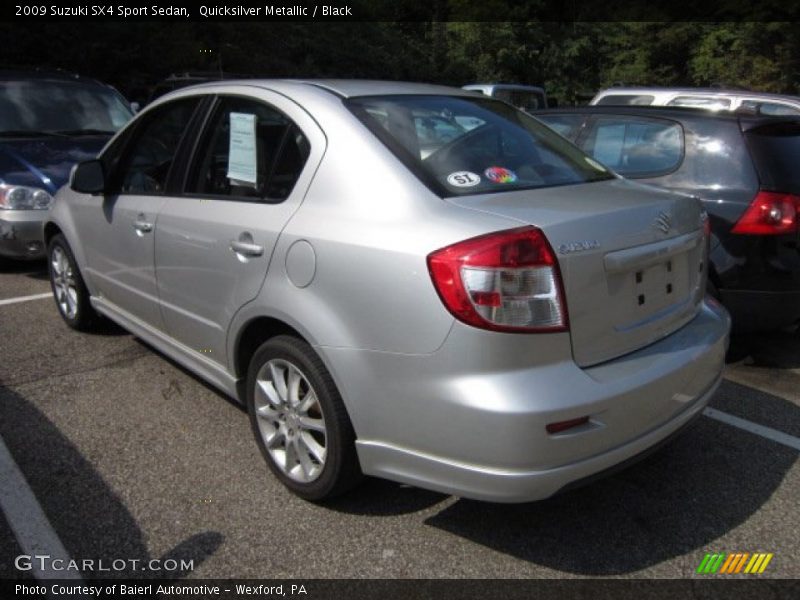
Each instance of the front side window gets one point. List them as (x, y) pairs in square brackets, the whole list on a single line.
[(61, 107), (147, 160), (636, 147), (462, 145), (250, 150)]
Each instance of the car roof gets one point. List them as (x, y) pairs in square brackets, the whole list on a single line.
[(45, 75), (693, 91), (351, 88), (677, 113), (503, 86)]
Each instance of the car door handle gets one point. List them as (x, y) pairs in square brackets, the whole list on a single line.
[(246, 249), (143, 226)]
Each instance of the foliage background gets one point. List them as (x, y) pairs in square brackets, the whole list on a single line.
[(571, 59)]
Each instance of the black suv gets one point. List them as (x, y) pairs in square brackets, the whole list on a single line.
[(745, 169)]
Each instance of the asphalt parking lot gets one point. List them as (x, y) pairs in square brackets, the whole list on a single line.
[(131, 457)]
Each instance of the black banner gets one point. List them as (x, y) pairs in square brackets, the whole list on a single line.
[(406, 589), (397, 10)]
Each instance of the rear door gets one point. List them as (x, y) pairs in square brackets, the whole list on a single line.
[(251, 168)]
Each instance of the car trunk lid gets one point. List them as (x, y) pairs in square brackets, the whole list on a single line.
[(631, 258)]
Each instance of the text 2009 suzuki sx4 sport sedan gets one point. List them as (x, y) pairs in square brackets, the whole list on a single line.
[(408, 281)]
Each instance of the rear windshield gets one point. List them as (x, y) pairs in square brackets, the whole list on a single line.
[(775, 149), (459, 146)]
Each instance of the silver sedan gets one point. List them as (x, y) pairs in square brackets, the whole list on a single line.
[(400, 280)]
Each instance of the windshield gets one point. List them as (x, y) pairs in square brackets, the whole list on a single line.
[(60, 106), (458, 145)]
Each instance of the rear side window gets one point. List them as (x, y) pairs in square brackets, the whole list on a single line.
[(250, 150), (710, 103), (636, 147), (462, 145), (623, 99), (566, 125), (775, 149)]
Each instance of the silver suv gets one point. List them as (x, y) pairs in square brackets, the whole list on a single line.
[(716, 99), (399, 280)]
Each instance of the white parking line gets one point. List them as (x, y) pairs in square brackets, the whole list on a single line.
[(33, 531), (25, 298), (765, 432)]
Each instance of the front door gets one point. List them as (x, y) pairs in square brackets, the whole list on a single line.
[(120, 227)]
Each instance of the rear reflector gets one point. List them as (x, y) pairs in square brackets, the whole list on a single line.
[(770, 213), (503, 281), (564, 425)]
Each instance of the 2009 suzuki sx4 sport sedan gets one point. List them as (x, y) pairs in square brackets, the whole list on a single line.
[(407, 281)]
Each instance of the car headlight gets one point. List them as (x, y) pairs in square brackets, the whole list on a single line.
[(21, 197)]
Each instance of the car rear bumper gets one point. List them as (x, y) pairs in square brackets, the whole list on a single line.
[(21, 234), (511, 486), (761, 311), (482, 435)]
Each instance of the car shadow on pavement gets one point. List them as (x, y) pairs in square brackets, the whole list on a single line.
[(91, 520), (374, 497), (679, 500), (35, 269), (382, 498)]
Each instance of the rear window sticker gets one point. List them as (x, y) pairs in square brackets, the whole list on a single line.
[(463, 179), (500, 175)]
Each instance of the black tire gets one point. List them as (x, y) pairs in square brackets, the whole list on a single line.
[(84, 317), (339, 471)]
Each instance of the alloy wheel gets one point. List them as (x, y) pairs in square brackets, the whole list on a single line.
[(64, 283), (290, 420)]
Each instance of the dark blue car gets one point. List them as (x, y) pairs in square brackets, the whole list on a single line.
[(48, 122)]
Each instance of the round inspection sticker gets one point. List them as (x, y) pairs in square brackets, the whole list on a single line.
[(463, 179), (500, 175)]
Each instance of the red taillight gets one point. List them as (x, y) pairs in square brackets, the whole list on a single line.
[(505, 281), (770, 213), (564, 425)]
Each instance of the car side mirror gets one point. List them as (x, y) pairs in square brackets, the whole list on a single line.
[(135, 107), (88, 177)]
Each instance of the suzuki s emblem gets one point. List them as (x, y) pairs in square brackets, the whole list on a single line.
[(663, 222)]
